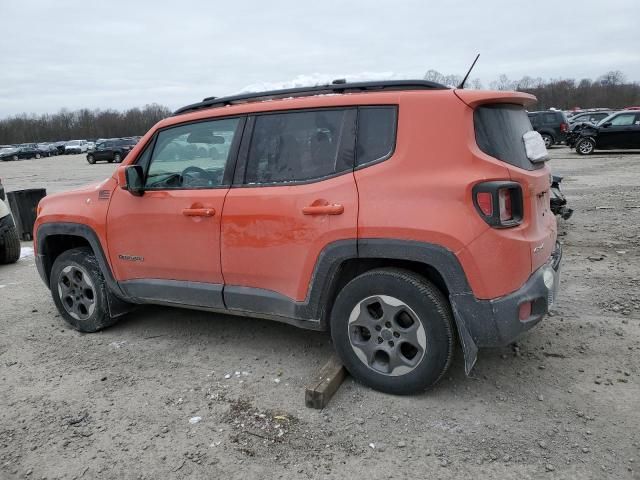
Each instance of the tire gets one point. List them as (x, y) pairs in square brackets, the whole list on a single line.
[(586, 146), (15, 158), (402, 341), (548, 140), (79, 291), (117, 158), (37, 156), (91, 159), (11, 242)]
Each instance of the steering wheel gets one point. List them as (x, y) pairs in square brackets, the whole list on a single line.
[(202, 173)]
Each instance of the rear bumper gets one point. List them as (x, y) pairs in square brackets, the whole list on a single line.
[(494, 323)]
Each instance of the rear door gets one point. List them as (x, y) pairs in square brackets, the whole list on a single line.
[(294, 195)]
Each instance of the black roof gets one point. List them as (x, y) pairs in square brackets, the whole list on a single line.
[(337, 86)]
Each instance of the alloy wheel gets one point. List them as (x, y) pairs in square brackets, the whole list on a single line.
[(387, 335), (77, 292)]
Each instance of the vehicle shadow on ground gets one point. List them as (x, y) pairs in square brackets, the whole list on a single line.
[(246, 336)]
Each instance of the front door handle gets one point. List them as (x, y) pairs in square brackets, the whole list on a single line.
[(199, 212), (334, 209)]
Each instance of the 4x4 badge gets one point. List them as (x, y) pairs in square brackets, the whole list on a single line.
[(131, 258)]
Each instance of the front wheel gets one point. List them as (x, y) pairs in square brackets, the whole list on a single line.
[(38, 156), (117, 158), (91, 159), (586, 146), (393, 330), (79, 291)]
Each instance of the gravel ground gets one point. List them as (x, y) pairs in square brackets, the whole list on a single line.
[(170, 393)]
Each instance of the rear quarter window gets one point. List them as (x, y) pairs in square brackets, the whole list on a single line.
[(499, 129), (376, 134)]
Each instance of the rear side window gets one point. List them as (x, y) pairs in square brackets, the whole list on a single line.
[(550, 119), (376, 134), (298, 146), (499, 130)]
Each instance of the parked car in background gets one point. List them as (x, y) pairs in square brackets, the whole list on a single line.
[(113, 150), (552, 125), (589, 117), (9, 239), (395, 242), (60, 147), (75, 146), (19, 153), (48, 149), (31, 150), (91, 146), (620, 130)]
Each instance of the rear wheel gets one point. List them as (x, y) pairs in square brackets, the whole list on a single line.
[(15, 158), (79, 291), (393, 331), (10, 251), (91, 159), (38, 155), (117, 158), (586, 146), (548, 140)]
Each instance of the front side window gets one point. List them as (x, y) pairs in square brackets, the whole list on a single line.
[(297, 146), (192, 156), (376, 134), (623, 120)]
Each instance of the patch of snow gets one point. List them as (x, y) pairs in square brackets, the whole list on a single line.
[(26, 252), (194, 420)]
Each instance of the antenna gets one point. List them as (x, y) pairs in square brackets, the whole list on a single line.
[(464, 80)]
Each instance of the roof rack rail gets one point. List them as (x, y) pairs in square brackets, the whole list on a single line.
[(337, 86)]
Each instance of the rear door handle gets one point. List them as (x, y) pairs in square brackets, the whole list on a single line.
[(334, 209), (199, 212)]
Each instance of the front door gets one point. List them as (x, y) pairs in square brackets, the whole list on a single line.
[(164, 246), (294, 196)]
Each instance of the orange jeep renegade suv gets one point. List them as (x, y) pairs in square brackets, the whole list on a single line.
[(398, 215)]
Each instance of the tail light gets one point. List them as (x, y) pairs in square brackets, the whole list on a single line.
[(499, 203), (564, 127)]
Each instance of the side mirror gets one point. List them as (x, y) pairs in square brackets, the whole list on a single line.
[(130, 178), (607, 125)]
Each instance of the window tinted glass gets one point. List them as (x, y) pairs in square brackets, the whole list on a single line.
[(624, 119), (550, 118), (376, 133), (287, 147), (499, 130), (191, 156)]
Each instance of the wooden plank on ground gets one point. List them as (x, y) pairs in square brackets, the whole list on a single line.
[(324, 384)]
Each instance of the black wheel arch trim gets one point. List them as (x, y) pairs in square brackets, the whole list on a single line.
[(118, 300)]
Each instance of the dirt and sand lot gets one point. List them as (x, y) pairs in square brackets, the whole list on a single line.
[(170, 393)]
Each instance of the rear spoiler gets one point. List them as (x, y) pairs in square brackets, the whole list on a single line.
[(473, 98)]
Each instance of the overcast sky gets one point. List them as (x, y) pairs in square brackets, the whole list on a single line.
[(70, 54)]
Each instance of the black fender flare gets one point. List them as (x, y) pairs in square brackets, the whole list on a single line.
[(118, 300)]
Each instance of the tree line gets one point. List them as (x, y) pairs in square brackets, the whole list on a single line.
[(80, 124), (610, 90)]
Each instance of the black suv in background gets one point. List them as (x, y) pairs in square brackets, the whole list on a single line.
[(112, 150), (551, 124), (620, 130)]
